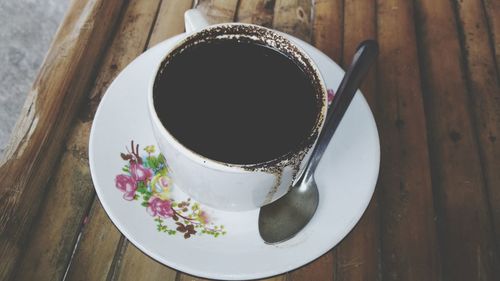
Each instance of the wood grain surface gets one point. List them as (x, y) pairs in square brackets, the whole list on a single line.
[(492, 9), (96, 247), (69, 199), (169, 22), (46, 118), (294, 17), (328, 27), (457, 175), (435, 95), (483, 90), (218, 11), (259, 12), (135, 265), (405, 187)]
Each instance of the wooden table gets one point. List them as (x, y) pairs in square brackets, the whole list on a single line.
[(434, 92)]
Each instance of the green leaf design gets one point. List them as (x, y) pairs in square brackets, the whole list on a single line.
[(152, 162), (161, 158)]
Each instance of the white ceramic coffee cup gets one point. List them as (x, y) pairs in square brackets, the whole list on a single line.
[(230, 186)]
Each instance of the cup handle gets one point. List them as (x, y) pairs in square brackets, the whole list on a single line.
[(194, 20)]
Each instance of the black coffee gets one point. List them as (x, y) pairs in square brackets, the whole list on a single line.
[(236, 102)]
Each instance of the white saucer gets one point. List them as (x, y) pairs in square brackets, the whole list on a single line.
[(346, 179)]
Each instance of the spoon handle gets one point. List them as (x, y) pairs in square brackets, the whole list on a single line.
[(363, 58)]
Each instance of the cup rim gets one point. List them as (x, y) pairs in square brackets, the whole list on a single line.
[(219, 165)]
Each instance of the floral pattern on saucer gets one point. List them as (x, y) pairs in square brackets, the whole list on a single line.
[(331, 94), (145, 178)]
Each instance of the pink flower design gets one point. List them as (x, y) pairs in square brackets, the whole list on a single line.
[(203, 217), (126, 184), (331, 94), (164, 182), (159, 207), (139, 172)]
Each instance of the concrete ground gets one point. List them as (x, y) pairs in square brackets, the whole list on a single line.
[(26, 30)]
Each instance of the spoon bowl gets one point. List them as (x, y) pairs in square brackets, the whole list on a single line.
[(289, 214)]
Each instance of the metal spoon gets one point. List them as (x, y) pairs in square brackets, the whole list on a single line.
[(282, 219)]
